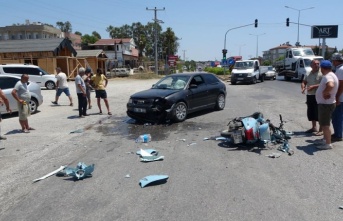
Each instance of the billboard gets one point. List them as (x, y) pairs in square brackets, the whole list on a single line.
[(324, 31)]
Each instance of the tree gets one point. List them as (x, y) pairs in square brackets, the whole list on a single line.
[(96, 34), (266, 63), (78, 33), (89, 39), (64, 26)]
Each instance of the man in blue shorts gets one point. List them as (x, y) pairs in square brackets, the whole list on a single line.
[(62, 86)]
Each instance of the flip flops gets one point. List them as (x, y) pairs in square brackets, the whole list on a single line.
[(311, 130), (319, 133)]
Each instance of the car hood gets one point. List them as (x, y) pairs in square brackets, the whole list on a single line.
[(153, 93)]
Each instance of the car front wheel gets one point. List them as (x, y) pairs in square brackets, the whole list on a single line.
[(220, 104), (50, 85), (180, 112), (33, 105)]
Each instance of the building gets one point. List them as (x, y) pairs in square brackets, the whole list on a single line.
[(35, 30), (51, 53), (120, 52)]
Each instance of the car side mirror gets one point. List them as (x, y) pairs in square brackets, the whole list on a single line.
[(193, 86)]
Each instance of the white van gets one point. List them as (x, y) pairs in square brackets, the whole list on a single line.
[(36, 74)]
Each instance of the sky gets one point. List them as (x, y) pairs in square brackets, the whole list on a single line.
[(201, 26)]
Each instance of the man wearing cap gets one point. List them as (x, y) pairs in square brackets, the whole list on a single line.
[(326, 99), (337, 115)]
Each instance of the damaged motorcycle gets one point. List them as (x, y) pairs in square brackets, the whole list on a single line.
[(254, 129)]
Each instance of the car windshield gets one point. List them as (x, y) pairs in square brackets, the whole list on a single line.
[(172, 82), (244, 64)]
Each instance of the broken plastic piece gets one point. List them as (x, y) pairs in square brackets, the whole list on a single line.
[(148, 157), (150, 151), (153, 179), (81, 171), (274, 155), (151, 158), (184, 140), (191, 144), (127, 176), (50, 174), (77, 131)]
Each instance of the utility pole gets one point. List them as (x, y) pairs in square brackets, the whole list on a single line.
[(184, 55), (156, 20)]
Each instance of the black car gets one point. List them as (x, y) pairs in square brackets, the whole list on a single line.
[(175, 96)]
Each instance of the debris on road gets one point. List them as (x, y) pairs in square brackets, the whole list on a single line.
[(153, 180), (145, 138), (50, 174), (80, 172), (274, 155), (150, 151), (191, 144), (77, 131), (148, 157)]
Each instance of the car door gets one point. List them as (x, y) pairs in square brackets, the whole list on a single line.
[(7, 84), (199, 94), (301, 68), (212, 84), (35, 75)]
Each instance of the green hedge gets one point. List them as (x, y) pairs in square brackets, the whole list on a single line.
[(217, 70)]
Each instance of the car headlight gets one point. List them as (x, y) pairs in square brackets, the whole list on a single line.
[(130, 101)]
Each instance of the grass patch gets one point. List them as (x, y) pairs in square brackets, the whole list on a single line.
[(145, 76)]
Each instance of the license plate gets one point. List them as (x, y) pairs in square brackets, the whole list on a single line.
[(139, 110), (240, 79)]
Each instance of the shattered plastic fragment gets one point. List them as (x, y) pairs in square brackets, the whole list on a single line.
[(191, 144), (153, 179), (127, 176), (274, 155), (81, 171), (184, 140), (150, 151), (76, 131), (147, 157)]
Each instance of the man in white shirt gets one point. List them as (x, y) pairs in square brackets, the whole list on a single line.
[(326, 99), (337, 115), (62, 86)]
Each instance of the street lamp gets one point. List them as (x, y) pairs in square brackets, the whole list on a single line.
[(299, 10), (257, 42), (240, 46)]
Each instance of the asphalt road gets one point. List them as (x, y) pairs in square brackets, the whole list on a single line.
[(208, 180)]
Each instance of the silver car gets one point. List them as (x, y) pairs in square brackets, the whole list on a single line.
[(271, 73), (7, 83)]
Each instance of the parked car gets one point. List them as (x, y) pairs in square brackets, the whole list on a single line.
[(36, 74), (7, 83), (271, 73), (175, 96)]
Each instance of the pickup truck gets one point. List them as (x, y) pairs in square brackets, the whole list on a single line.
[(248, 71), (296, 63)]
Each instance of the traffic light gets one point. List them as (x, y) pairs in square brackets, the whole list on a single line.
[(224, 54), (256, 23), (287, 22)]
